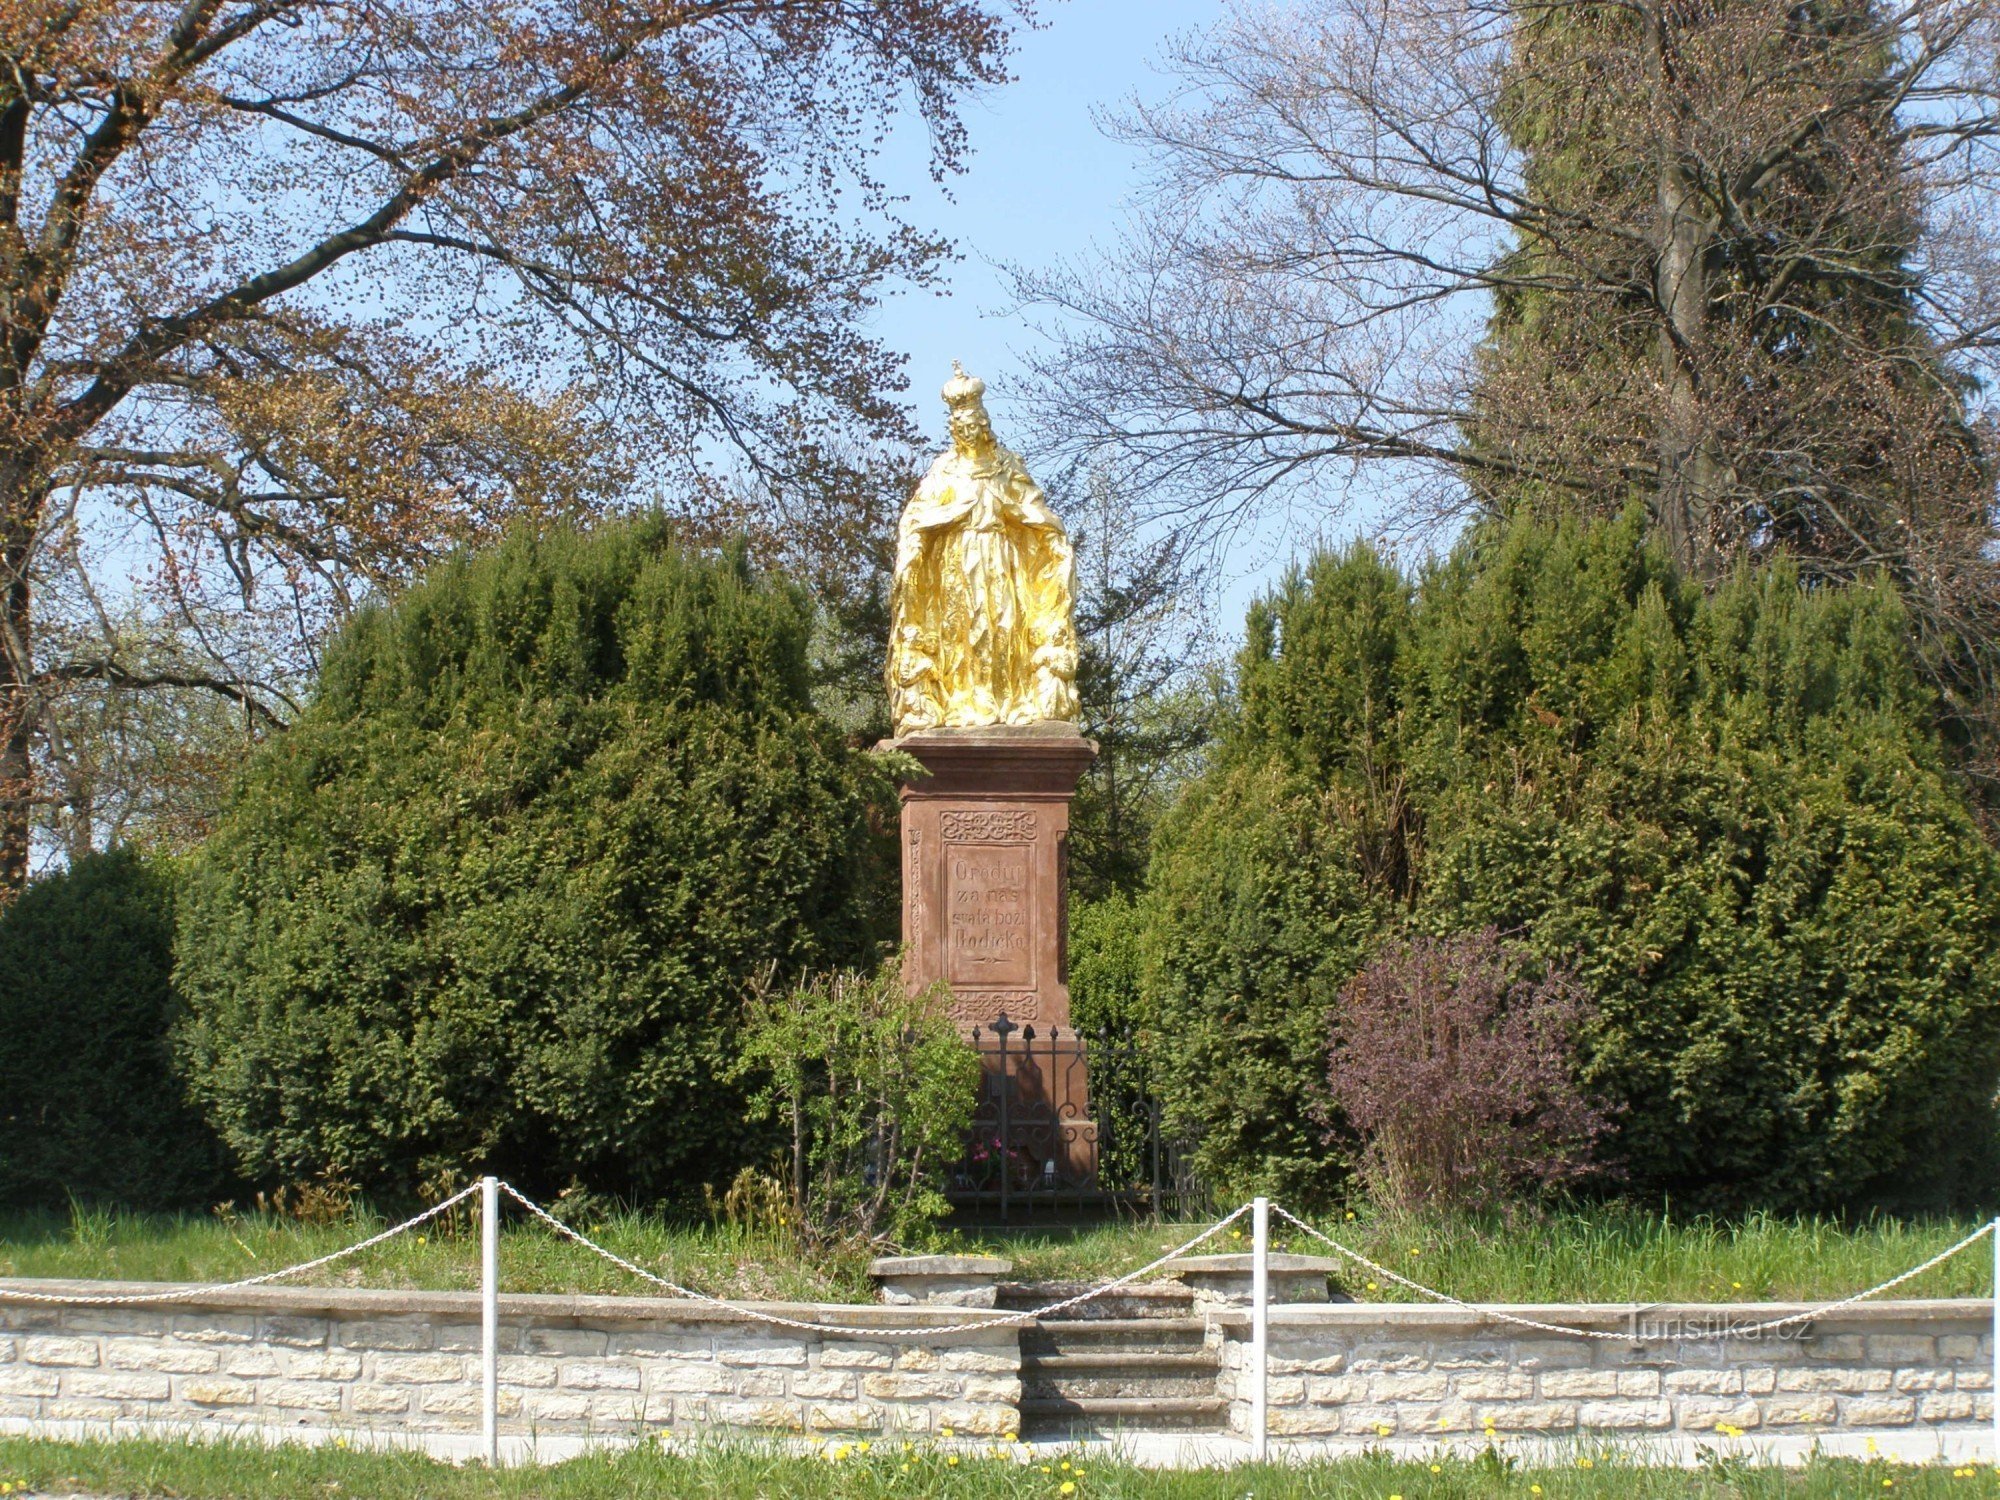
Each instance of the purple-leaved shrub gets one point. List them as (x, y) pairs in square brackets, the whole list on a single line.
[(1450, 1061)]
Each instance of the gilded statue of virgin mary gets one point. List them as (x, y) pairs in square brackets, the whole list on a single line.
[(980, 617)]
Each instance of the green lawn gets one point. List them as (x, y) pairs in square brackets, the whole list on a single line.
[(886, 1469), (1604, 1254)]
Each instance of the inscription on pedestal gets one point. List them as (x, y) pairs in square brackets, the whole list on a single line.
[(988, 942)]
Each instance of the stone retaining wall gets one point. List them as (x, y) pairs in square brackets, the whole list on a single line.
[(1362, 1370), (409, 1362)]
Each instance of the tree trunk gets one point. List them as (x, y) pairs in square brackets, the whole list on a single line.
[(1684, 504), (16, 717)]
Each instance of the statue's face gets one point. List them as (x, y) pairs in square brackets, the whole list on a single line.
[(971, 430)]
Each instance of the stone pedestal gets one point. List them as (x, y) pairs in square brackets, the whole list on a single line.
[(985, 905)]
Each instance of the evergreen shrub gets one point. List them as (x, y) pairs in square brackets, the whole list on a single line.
[(494, 902), (91, 1109), (1727, 811)]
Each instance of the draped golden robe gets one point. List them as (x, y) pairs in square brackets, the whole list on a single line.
[(981, 629)]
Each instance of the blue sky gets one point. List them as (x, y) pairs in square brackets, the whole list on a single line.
[(1043, 184)]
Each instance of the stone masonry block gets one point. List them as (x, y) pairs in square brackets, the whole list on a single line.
[(419, 1369), (1625, 1416), (972, 1361), (1529, 1416), (251, 1363), (616, 1408), (1702, 1382), (1579, 1383), (1370, 1420), (436, 1401), (1335, 1390), (557, 1406), (1305, 1421), (206, 1392), (579, 1376), (1497, 1385), (919, 1359), (169, 1359), (1388, 1359), (35, 1383), (84, 1411), (1840, 1382), (974, 1419), (64, 1352), (302, 1395), (760, 1383), (1705, 1414), (375, 1401), (117, 1385), (1281, 1390), (1414, 1385), (681, 1347), (571, 1341), (142, 1322), (1843, 1348), (867, 1356), (983, 1388), (699, 1380), (781, 1414), (1901, 1348), (214, 1328), (403, 1335), (323, 1364), (1910, 1381), (1800, 1411), (844, 1416), (763, 1354), (519, 1370), (1946, 1406), (1961, 1348), (824, 1385), (296, 1333), (1878, 1411), (896, 1386)]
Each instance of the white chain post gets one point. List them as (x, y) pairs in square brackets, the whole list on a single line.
[(1260, 1327), (1996, 1343), (489, 1314)]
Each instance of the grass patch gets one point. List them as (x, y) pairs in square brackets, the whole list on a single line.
[(236, 1471), (1603, 1254)]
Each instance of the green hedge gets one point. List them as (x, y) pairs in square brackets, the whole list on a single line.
[(1728, 811), (90, 1106), (494, 900)]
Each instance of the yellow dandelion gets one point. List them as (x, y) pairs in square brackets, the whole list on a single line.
[(1381, 1429), (952, 1461), (1065, 1463), (1350, 1213), (841, 1452), (1437, 1468), (944, 1432), (1068, 1487), (1583, 1463), (1372, 1287)]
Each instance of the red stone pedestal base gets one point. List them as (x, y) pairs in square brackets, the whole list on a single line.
[(985, 895)]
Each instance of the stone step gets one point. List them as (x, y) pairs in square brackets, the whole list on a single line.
[(1047, 1417), (1176, 1335), (1150, 1300), (1134, 1382)]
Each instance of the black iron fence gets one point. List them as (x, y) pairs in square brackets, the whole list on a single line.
[(1070, 1123)]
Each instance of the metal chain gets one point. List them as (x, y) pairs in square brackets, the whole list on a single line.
[(1752, 1330), (188, 1293), (996, 1321)]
